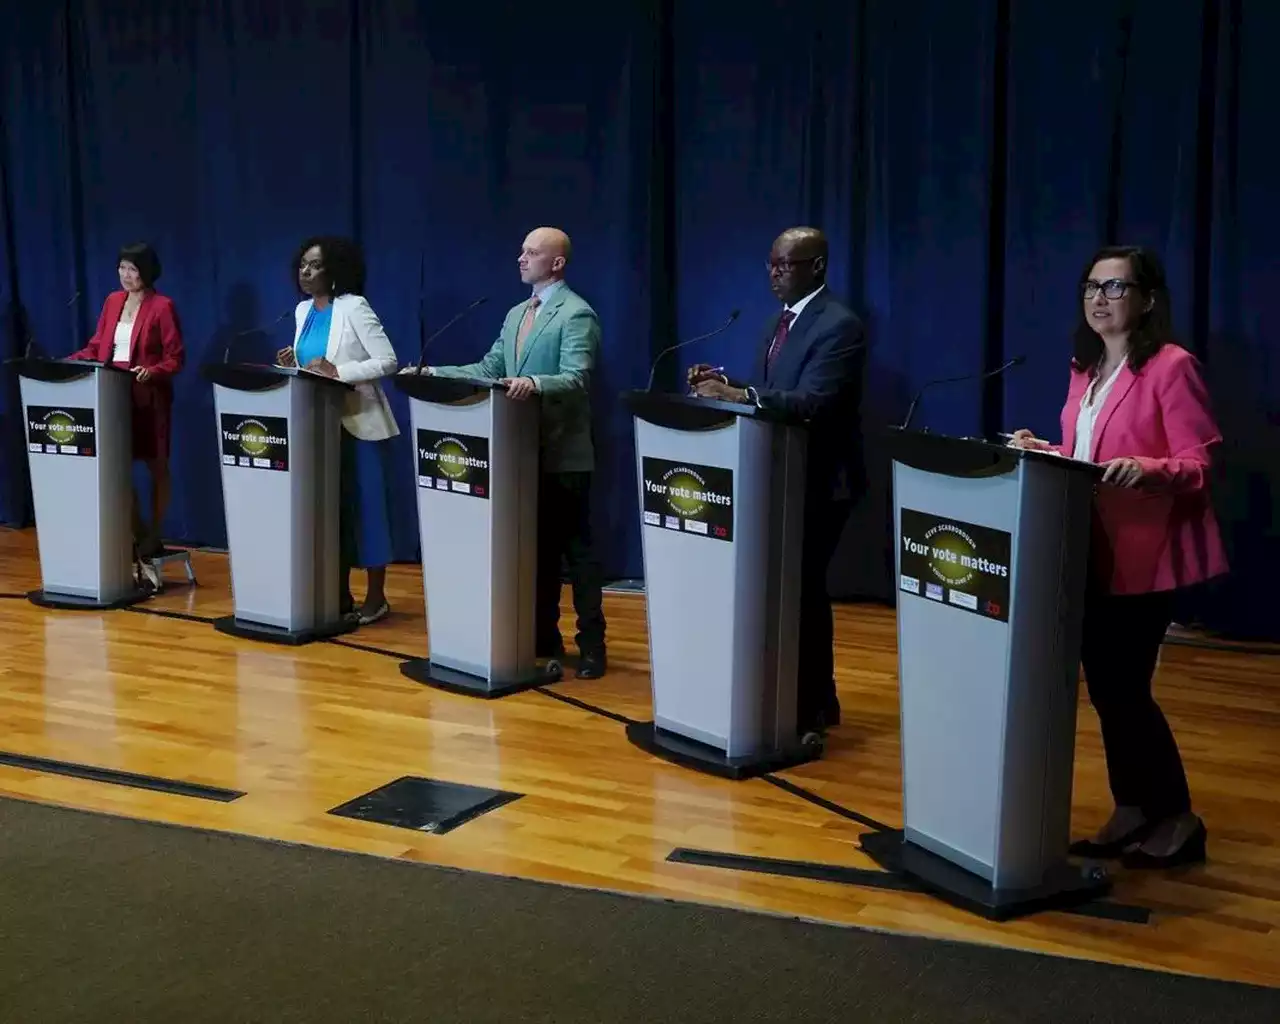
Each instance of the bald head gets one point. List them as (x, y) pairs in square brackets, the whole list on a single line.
[(797, 263), (544, 256)]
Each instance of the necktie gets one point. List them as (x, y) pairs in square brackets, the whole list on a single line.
[(779, 338), (526, 325)]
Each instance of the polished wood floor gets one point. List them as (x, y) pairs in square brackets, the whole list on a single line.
[(303, 730)]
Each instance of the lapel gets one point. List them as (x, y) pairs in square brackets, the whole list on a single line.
[(792, 351), (540, 323), (1119, 391), (337, 321), (144, 311)]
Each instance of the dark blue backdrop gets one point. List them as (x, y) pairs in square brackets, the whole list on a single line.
[(964, 158)]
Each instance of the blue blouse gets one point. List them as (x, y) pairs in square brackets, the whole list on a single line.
[(313, 342)]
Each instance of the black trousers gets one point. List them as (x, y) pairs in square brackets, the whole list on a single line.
[(564, 534), (824, 522), (1119, 649)]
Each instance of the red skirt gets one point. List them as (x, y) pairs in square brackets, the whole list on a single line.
[(152, 418)]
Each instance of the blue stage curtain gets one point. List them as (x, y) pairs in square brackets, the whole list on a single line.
[(965, 159)]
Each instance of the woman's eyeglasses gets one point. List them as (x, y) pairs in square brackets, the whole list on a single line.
[(1112, 289)]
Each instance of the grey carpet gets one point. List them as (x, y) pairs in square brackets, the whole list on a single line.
[(106, 919)]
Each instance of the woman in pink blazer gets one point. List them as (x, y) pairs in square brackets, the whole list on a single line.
[(1137, 405), (139, 331)]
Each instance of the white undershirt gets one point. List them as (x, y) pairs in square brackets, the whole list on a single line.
[(1095, 397), (123, 336)]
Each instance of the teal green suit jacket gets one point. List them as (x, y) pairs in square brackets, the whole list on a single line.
[(559, 354)]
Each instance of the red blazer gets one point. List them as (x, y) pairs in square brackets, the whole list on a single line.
[(157, 336), (1162, 534)]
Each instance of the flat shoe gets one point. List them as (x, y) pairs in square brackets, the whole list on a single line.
[(381, 612)]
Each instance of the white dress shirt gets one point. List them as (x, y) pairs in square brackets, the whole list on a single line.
[(1095, 397), (123, 337)]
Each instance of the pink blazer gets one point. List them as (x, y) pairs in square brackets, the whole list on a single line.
[(1162, 534), (156, 342)]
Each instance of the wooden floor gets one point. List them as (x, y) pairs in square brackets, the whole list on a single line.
[(303, 730)]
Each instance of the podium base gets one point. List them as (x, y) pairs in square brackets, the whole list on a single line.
[(247, 630), (423, 670), (72, 602), (1065, 886), (702, 757)]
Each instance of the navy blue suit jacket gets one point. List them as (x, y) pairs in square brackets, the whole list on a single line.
[(817, 375)]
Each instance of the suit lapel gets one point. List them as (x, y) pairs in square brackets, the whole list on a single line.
[(793, 348), (336, 322), (540, 323), (1119, 391)]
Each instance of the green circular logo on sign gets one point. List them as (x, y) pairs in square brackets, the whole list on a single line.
[(253, 438), (60, 427), (683, 489), (953, 554), (451, 457)]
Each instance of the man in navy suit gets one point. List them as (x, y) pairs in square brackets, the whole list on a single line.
[(810, 363)]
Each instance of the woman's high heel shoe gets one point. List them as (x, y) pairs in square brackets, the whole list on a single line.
[(1108, 851), (1192, 851)]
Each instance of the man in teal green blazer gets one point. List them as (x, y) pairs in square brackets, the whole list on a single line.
[(547, 349)]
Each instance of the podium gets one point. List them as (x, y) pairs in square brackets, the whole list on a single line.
[(476, 465), (722, 498), (279, 434), (992, 557), (80, 452)]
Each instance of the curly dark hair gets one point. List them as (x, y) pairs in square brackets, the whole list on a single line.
[(145, 258), (344, 270), (1154, 329)]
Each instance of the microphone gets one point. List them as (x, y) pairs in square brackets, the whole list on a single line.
[(911, 409), (422, 327), (31, 338), (681, 344), (226, 353)]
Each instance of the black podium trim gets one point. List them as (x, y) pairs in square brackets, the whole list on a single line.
[(682, 412), (1066, 886), (246, 630), (705, 758), (427, 387), (972, 457), (249, 377), (74, 603), (452, 680)]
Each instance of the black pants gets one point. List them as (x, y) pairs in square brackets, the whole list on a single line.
[(564, 533), (1120, 645), (815, 683)]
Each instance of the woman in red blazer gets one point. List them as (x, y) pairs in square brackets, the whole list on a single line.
[(139, 331), (1137, 405)]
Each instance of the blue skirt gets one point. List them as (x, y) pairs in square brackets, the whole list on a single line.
[(365, 518)]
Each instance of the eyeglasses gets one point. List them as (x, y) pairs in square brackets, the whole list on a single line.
[(1112, 289), (786, 266)]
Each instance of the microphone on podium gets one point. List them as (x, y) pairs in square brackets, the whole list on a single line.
[(31, 338), (422, 329), (911, 409), (689, 341), (260, 329)]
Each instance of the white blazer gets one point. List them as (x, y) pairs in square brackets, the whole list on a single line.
[(361, 352)]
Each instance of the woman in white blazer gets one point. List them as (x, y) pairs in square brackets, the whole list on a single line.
[(338, 334)]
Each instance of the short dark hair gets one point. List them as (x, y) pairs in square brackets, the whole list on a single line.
[(344, 270), (1154, 328), (142, 256)]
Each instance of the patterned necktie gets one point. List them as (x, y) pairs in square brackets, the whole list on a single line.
[(779, 338), (526, 325)]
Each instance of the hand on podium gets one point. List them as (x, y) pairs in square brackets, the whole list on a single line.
[(1025, 439), (414, 370), (322, 367), (700, 372), (285, 357), (519, 388)]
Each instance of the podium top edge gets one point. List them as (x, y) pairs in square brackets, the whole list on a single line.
[(972, 456), (427, 387), (261, 376), (688, 412), (58, 370)]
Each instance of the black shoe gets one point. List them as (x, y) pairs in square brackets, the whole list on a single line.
[(1108, 851), (1192, 851), (592, 665)]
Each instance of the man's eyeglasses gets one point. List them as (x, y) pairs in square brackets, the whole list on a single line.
[(786, 266), (1112, 289)]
